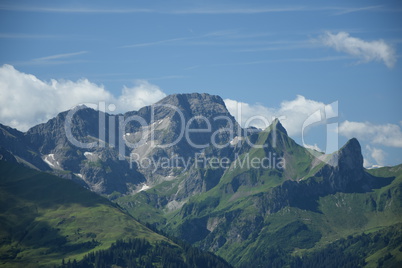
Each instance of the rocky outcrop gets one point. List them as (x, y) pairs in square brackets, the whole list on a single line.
[(344, 172)]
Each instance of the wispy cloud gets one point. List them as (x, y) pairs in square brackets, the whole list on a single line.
[(202, 10), (165, 77), (61, 56), (365, 51), (214, 34), (191, 67), (160, 42), (57, 59), (74, 9), (251, 42), (240, 10), (28, 36), (358, 9), (49, 62), (322, 59), (205, 10), (249, 35), (280, 45)]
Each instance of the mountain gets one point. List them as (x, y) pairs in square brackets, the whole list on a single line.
[(183, 126), (250, 211), (46, 219), (12, 140), (295, 202), (95, 147), (254, 197), (92, 164)]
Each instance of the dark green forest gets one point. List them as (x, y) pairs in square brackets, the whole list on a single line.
[(140, 253), (346, 252)]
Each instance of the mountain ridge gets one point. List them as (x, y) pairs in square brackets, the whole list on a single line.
[(225, 189)]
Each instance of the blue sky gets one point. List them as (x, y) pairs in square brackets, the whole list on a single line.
[(270, 55)]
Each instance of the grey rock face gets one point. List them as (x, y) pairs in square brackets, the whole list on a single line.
[(13, 141), (109, 165), (106, 168), (98, 167), (188, 122)]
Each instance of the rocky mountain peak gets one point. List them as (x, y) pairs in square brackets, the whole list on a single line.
[(276, 125), (195, 104), (350, 155), (345, 168), (191, 97)]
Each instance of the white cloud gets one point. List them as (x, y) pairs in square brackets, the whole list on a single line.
[(377, 154), (313, 147), (142, 94), (387, 134), (366, 51), (367, 163), (250, 115), (26, 100), (292, 114)]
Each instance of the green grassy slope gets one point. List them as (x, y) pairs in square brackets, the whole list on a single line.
[(44, 219), (241, 181), (241, 184), (244, 216), (237, 184), (299, 232), (239, 232)]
